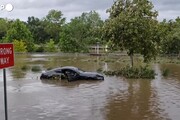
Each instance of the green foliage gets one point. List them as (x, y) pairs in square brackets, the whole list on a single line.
[(171, 42), (19, 31), (55, 16), (70, 41), (19, 46), (47, 28), (133, 72), (4, 25), (53, 23), (173, 45), (39, 48), (50, 46), (37, 28), (167, 60), (94, 25), (75, 36), (81, 32), (132, 26)]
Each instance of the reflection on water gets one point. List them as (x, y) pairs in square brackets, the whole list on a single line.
[(115, 98), (138, 102)]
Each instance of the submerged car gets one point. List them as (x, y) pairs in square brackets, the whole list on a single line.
[(71, 74)]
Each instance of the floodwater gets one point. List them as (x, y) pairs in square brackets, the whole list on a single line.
[(115, 98)]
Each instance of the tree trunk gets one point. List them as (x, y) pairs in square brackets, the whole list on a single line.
[(132, 61)]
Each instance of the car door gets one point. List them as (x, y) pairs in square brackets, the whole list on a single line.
[(57, 74), (71, 75)]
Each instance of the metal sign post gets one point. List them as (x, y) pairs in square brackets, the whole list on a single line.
[(5, 95), (6, 60)]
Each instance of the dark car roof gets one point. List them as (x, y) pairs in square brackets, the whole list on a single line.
[(69, 67), (63, 68)]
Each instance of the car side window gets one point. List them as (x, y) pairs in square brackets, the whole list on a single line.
[(70, 72), (58, 71)]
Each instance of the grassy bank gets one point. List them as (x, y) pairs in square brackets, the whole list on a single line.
[(133, 72)]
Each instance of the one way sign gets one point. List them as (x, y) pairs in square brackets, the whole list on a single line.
[(6, 55)]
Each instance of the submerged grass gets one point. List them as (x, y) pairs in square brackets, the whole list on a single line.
[(36, 68), (24, 67), (165, 72)]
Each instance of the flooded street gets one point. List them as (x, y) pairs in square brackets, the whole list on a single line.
[(115, 98)]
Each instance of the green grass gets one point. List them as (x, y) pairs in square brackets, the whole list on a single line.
[(167, 60), (24, 67)]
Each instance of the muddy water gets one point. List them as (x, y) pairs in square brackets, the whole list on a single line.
[(115, 98)]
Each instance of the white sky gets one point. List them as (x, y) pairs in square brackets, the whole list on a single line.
[(168, 9)]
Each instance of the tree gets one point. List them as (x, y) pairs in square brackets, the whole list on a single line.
[(53, 23), (19, 31), (94, 26), (132, 26), (81, 32), (171, 41), (4, 25), (37, 28), (71, 38)]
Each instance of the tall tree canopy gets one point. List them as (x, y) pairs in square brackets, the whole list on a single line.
[(171, 41), (4, 25), (72, 38), (19, 31), (81, 32), (53, 22), (37, 28), (94, 24), (132, 26)]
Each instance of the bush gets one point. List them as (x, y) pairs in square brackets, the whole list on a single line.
[(133, 72), (39, 48), (50, 46), (19, 46)]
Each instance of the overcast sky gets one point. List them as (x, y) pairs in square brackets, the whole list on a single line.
[(168, 9)]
